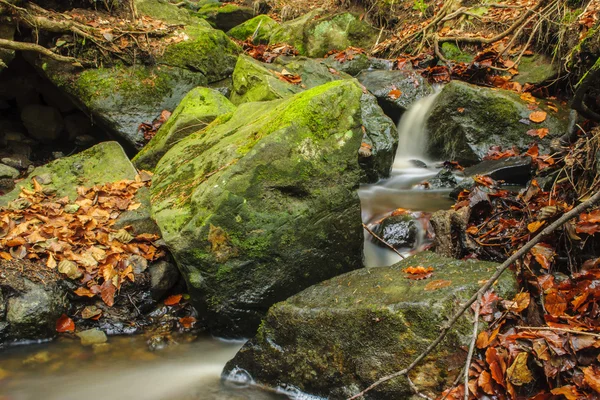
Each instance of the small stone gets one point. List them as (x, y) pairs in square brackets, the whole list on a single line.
[(92, 337), (163, 276), (8, 172), (42, 122), (44, 179), (57, 154), (84, 140), (18, 161)]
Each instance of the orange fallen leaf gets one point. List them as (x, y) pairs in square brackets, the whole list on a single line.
[(394, 94), (535, 226), (4, 255), (418, 270), (173, 300), (84, 292), (187, 322), (437, 284), (541, 133), (569, 391), (527, 97), (65, 324), (538, 116)]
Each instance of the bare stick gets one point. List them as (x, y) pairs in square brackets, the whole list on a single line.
[(549, 328), (382, 241), (501, 268), (472, 346), (415, 389), (22, 46)]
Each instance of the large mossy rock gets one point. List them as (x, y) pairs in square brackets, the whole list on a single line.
[(164, 11), (106, 162), (197, 109), (261, 27), (465, 120), (314, 35), (262, 203), (257, 81), (395, 90), (338, 337), (207, 51), (121, 98)]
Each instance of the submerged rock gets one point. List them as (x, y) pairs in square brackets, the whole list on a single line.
[(257, 81), (395, 90), (466, 120), (263, 203), (314, 35), (512, 170), (103, 163), (399, 231), (261, 27), (197, 109), (338, 337)]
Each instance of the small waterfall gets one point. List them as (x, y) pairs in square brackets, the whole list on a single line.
[(379, 199)]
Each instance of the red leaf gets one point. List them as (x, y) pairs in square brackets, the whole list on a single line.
[(65, 324), (173, 300)]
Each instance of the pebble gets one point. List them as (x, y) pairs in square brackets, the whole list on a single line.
[(92, 337), (8, 172)]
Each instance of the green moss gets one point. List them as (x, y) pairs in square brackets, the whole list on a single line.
[(262, 25), (452, 52), (163, 10), (207, 50)]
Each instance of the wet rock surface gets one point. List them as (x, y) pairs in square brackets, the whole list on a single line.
[(400, 231)]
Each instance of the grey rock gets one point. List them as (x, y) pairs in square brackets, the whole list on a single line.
[(77, 124), (19, 161), (33, 313), (163, 276), (43, 123), (140, 220), (513, 170), (410, 85), (92, 337), (8, 172), (444, 179), (400, 231)]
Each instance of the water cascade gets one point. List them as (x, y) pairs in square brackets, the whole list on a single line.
[(411, 167)]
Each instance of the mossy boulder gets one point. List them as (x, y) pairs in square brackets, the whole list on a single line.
[(314, 34), (103, 163), (262, 203), (121, 98), (465, 120), (206, 50), (257, 81), (262, 25), (338, 337), (536, 69), (357, 63), (395, 90), (224, 16), (163, 10), (197, 109)]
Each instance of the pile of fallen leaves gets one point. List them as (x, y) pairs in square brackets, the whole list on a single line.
[(76, 238), (267, 52), (545, 342)]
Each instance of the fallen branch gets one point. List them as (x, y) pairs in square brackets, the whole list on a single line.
[(472, 346), (549, 328), (503, 267), (22, 46), (382, 241)]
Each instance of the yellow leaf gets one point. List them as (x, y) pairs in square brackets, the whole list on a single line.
[(518, 374), (535, 225)]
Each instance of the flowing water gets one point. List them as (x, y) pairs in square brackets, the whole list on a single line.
[(123, 369), (402, 190)]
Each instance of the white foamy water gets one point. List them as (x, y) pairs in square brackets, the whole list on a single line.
[(399, 190)]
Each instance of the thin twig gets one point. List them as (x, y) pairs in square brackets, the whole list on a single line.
[(382, 241), (415, 389), (501, 268), (472, 346), (549, 328)]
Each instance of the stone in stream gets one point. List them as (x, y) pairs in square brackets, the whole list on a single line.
[(43, 123), (357, 63), (197, 109), (263, 203), (399, 231), (338, 337), (466, 120), (257, 81), (444, 179), (163, 276), (8, 172), (92, 337), (315, 33), (395, 90), (511, 170), (259, 27)]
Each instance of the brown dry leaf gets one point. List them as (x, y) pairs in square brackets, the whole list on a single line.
[(84, 292), (541, 132), (173, 300), (437, 284), (527, 97), (394, 94), (535, 226), (483, 340), (592, 378), (555, 303), (5, 256), (518, 373), (187, 322), (485, 382), (544, 254), (70, 269), (519, 303), (90, 312), (569, 391), (107, 293), (537, 116), (65, 324)]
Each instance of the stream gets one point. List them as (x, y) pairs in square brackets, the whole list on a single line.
[(124, 368)]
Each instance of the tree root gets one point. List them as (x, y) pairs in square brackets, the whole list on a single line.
[(503, 267), (22, 46)]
